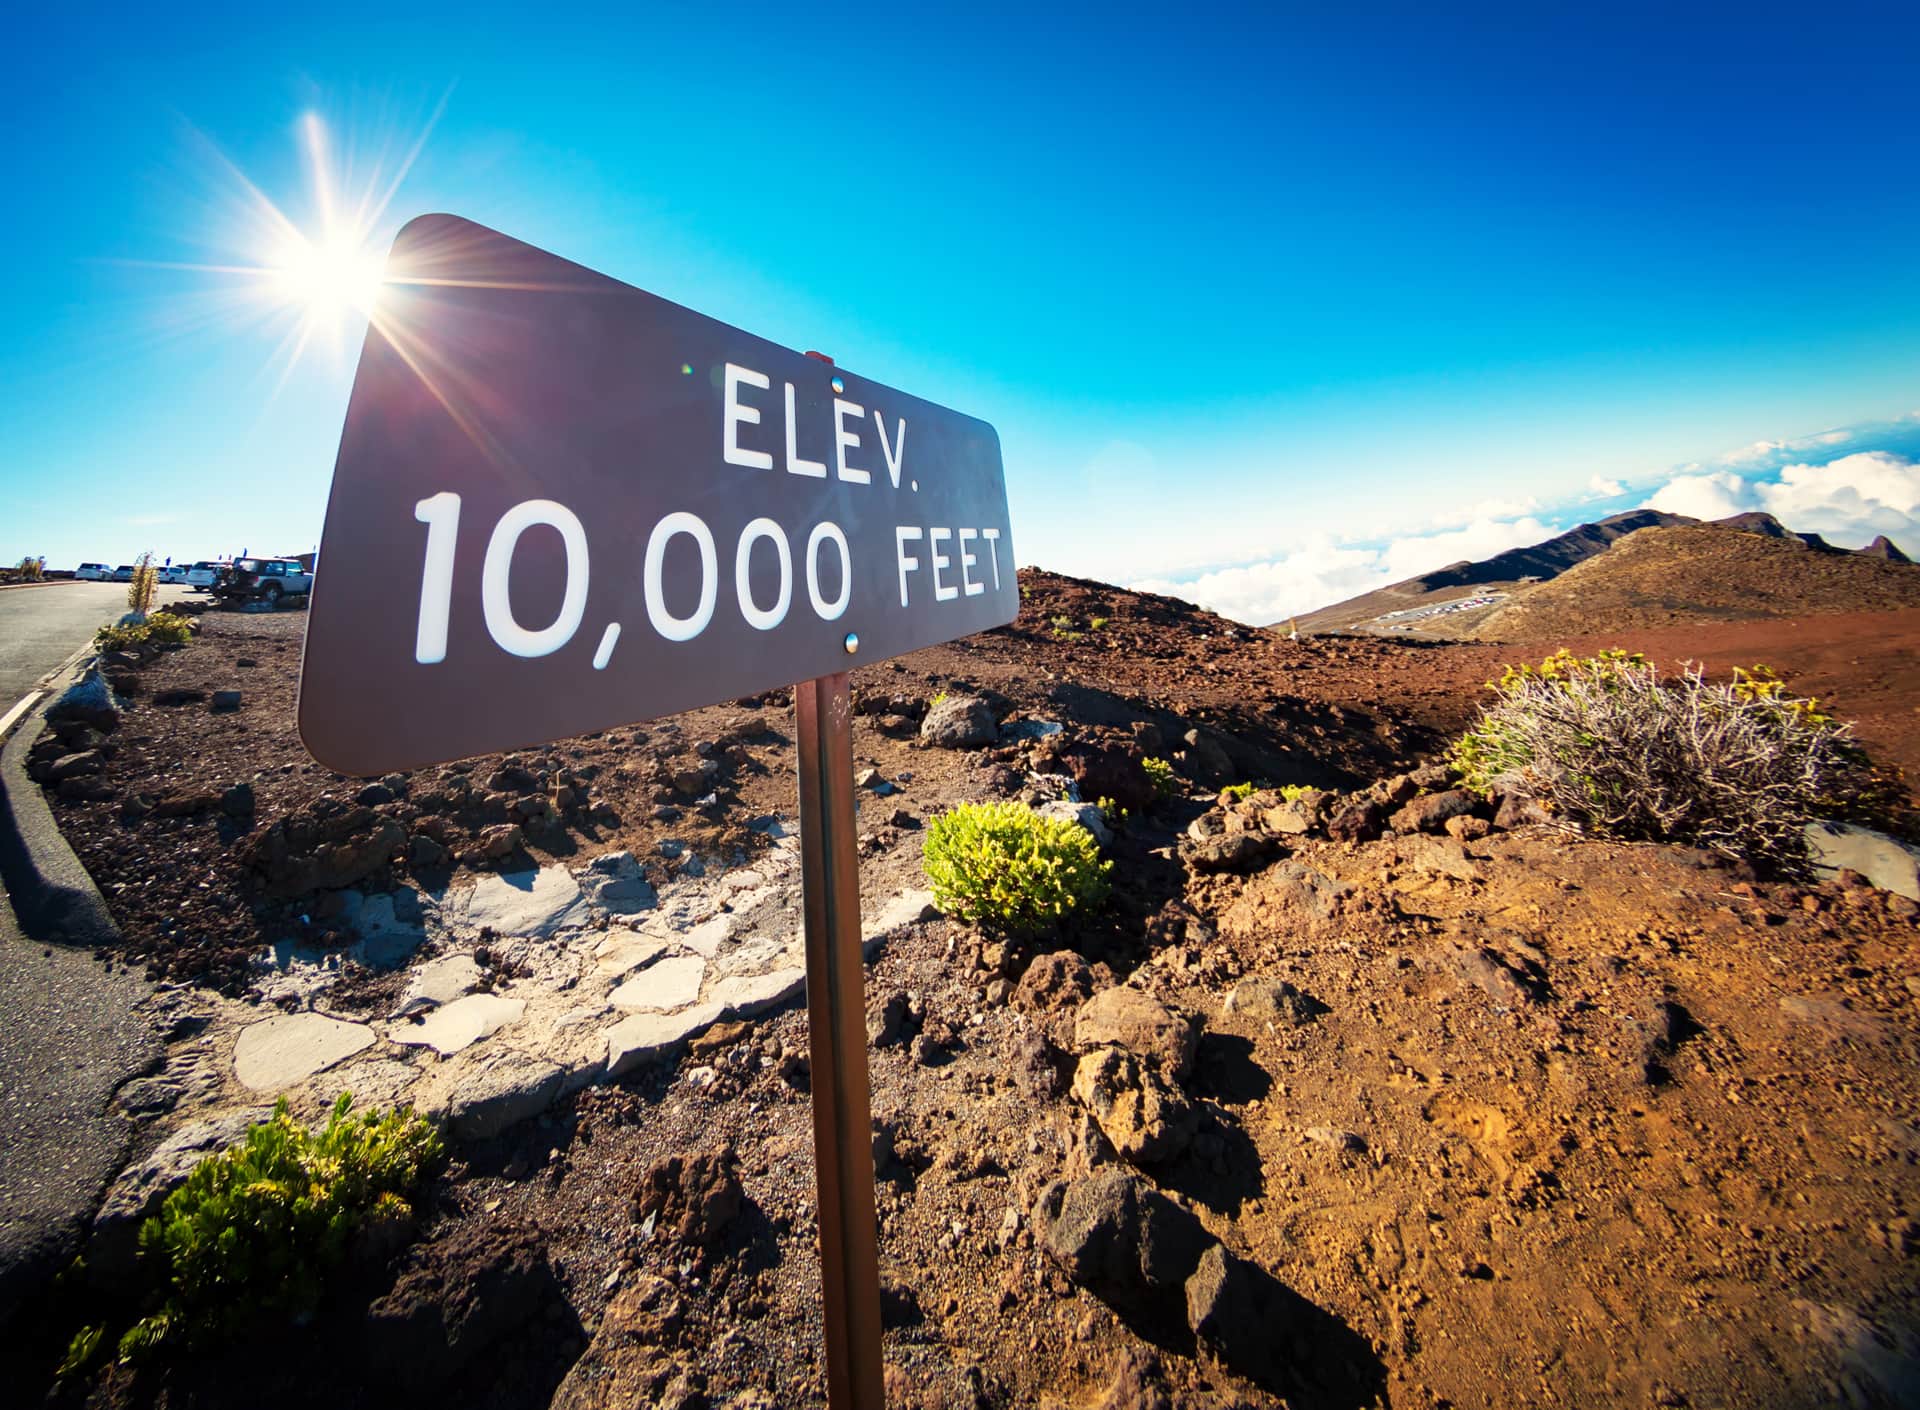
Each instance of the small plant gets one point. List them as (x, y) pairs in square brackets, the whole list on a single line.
[(1161, 775), (939, 699), (1096, 623), (145, 582), (160, 629), (1004, 867), (1738, 768), (30, 569), (1294, 792), (258, 1227), (1111, 813), (1063, 629), (1239, 792)]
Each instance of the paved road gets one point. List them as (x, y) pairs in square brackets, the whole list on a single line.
[(68, 1032), (41, 626), (68, 1037)]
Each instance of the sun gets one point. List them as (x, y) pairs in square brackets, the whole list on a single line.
[(310, 274), (328, 277)]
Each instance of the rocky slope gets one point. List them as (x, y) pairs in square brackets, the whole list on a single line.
[(1701, 573), (1375, 1094)]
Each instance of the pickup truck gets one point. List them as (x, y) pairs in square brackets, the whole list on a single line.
[(265, 580)]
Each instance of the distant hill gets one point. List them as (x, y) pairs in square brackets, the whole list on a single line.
[(1454, 601), (1699, 573)]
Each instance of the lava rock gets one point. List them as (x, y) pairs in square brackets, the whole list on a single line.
[(1431, 812), (1358, 821), (1125, 1017), (1121, 1239), (693, 1198), (456, 1298), (1146, 1118), (960, 722)]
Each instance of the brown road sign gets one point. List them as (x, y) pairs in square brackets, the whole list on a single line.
[(562, 503)]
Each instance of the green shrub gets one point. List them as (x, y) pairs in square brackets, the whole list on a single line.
[(257, 1228), (1239, 792), (1738, 768), (1004, 867), (1095, 624), (1160, 774), (162, 628), (1294, 792)]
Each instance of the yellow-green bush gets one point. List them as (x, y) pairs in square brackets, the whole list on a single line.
[(160, 629), (257, 1228), (1160, 774), (1608, 745), (1004, 867)]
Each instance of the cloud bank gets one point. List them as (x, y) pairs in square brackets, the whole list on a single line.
[(1849, 500), (1325, 571)]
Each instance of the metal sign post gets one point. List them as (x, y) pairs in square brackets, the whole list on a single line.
[(836, 1023)]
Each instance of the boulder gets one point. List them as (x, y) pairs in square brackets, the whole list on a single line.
[(456, 1298), (1085, 815), (1241, 1314), (1358, 821), (1108, 770), (960, 722), (1518, 810), (1274, 999), (691, 1198), (88, 701), (1146, 1119), (1054, 981), (1125, 1017), (1232, 852), (1205, 760), (1430, 812), (1121, 1239)]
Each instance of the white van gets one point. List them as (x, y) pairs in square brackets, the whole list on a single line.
[(93, 572)]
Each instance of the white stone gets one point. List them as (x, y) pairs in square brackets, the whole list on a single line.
[(904, 909), (525, 903), (438, 981), (646, 1037), (707, 937), (1885, 861), (1086, 815), (749, 995), (285, 1050), (460, 1024), (487, 1100), (670, 984), (752, 956), (624, 951)]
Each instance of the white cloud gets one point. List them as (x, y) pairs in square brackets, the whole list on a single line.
[(1600, 487), (1848, 500), (1323, 572), (1851, 499), (1714, 495), (1753, 454)]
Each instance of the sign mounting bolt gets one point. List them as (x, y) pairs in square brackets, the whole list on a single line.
[(852, 642)]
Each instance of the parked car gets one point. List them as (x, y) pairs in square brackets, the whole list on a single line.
[(267, 580), (93, 572), (174, 573), (124, 573), (203, 575)]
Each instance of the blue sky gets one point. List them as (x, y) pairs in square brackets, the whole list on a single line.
[(1240, 289)]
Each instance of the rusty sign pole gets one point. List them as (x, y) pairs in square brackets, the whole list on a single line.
[(837, 1030)]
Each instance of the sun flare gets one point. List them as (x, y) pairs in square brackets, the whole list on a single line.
[(328, 277)]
